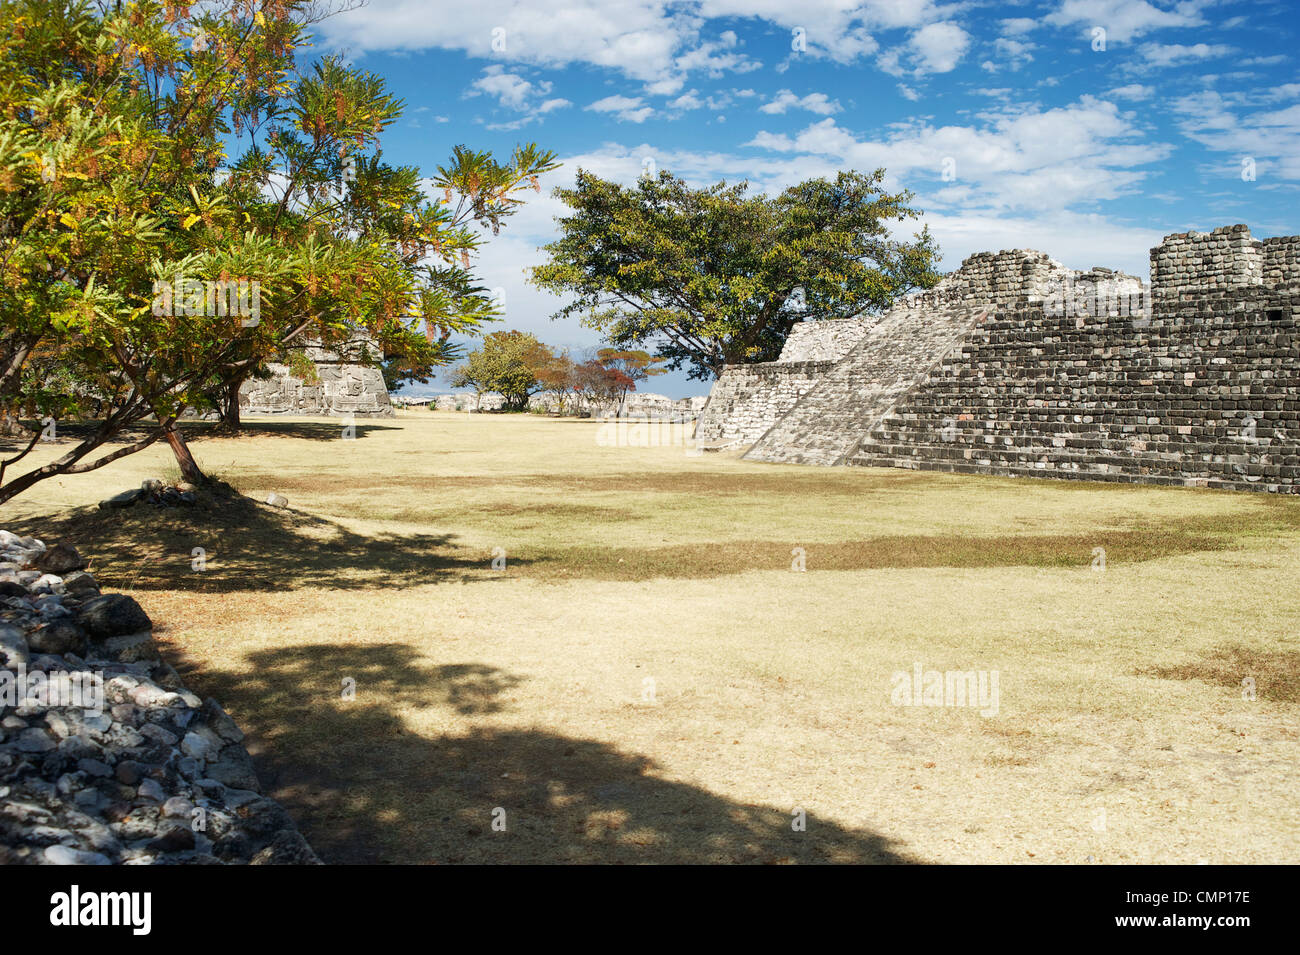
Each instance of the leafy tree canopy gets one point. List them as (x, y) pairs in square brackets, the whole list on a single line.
[(715, 276), (185, 196), (512, 363)]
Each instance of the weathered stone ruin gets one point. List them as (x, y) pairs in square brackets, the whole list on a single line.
[(1016, 365), (350, 383), (105, 756)]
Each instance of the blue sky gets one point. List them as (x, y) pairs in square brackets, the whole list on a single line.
[(1087, 129)]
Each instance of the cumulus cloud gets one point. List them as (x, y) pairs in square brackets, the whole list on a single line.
[(1238, 128), (513, 92), (1134, 91), (1124, 20), (627, 109), (1023, 158), (939, 47), (818, 103), (1174, 54)]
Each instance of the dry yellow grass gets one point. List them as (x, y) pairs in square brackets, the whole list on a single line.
[(1121, 735)]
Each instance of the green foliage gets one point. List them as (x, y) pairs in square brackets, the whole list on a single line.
[(302, 367), (147, 143), (511, 363), (714, 276)]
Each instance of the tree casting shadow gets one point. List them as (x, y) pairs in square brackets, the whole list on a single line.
[(248, 546), (364, 788)]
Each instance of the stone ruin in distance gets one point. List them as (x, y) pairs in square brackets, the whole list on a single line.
[(1016, 365)]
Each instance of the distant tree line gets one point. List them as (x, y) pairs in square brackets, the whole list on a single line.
[(517, 366)]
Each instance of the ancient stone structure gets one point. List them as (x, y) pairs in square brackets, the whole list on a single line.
[(1016, 365), (350, 384), (105, 756)]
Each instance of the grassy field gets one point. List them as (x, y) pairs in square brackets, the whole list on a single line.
[(648, 680)]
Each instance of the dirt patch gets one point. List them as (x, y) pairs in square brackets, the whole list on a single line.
[(1276, 673)]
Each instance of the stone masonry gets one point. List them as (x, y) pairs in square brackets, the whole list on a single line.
[(1015, 365), (350, 384)]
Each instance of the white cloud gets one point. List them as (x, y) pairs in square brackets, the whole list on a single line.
[(511, 90), (1270, 137), (1013, 53), (657, 42), (687, 101), (1018, 25), (1172, 54), (939, 47), (1123, 20), (1027, 158), (818, 103), (1135, 91), (626, 108)]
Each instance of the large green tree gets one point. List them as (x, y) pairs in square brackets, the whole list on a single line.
[(716, 276), (512, 363), (185, 196)]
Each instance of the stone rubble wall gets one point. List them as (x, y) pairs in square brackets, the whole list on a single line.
[(350, 384), (1281, 269), (153, 776)]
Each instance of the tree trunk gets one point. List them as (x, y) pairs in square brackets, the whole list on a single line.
[(230, 408), (189, 467), (11, 427)]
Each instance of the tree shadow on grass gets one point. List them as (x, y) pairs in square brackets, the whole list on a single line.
[(365, 788), (248, 546), (71, 432)]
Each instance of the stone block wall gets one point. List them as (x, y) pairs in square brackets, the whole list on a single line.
[(350, 384), (823, 426), (1190, 264), (748, 399), (828, 340), (1207, 395), (1281, 262), (1006, 367)]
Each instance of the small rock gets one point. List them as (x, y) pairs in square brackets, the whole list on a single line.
[(35, 740), (172, 839), (178, 807), (113, 615), (159, 735), (287, 848), (131, 647), (58, 636), (80, 583), (13, 647), (197, 746), (65, 855), (149, 789), (61, 560), (125, 499), (277, 500)]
